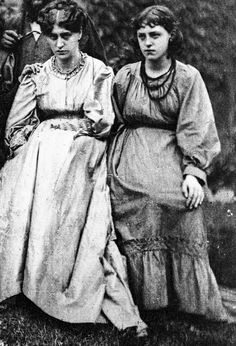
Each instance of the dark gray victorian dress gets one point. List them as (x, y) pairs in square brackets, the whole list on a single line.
[(157, 143)]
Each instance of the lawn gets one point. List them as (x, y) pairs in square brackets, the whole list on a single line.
[(24, 324)]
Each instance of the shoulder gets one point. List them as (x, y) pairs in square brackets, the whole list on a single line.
[(98, 66), (186, 72), (37, 79), (127, 71), (187, 77)]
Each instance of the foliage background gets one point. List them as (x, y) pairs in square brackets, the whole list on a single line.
[(209, 29)]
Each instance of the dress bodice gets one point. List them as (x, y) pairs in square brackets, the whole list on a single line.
[(185, 110), (58, 93), (51, 94)]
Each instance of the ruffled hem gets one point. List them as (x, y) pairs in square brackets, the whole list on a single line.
[(161, 278), (229, 302)]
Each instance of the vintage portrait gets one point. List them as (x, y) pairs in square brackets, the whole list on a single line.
[(117, 172)]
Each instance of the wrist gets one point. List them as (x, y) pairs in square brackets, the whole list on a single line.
[(193, 177)]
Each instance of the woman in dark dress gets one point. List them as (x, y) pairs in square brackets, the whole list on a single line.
[(158, 163)]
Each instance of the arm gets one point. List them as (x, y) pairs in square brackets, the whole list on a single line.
[(22, 118), (119, 91), (9, 39), (97, 106), (197, 138)]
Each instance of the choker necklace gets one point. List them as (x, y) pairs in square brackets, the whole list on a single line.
[(69, 73), (59, 69), (158, 87)]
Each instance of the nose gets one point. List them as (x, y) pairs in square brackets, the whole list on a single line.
[(60, 42), (148, 41)]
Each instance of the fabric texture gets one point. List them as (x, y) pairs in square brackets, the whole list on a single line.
[(56, 236), (157, 142)]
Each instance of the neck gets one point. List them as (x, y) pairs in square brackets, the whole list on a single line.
[(68, 64), (155, 68)]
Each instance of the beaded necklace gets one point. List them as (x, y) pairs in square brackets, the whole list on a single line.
[(158, 87), (71, 72)]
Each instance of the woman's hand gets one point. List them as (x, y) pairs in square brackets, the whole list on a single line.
[(28, 69), (9, 39), (193, 191)]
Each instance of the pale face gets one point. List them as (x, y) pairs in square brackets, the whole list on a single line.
[(64, 43), (153, 42)]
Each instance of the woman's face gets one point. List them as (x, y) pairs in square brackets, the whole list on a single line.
[(64, 43), (153, 42)]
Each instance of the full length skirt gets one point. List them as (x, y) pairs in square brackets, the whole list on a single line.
[(164, 242), (56, 238)]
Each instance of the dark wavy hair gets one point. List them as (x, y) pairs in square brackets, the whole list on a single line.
[(71, 17), (163, 16), (32, 11)]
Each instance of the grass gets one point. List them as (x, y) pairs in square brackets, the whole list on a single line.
[(221, 222), (25, 325)]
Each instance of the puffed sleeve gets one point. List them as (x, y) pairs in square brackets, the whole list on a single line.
[(119, 91), (196, 131), (97, 106), (22, 119)]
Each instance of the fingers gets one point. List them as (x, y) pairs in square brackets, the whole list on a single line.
[(11, 33), (185, 189), (9, 39), (35, 68), (197, 198), (193, 192), (190, 196), (28, 69)]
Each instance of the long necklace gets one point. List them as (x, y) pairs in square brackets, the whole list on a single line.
[(158, 87)]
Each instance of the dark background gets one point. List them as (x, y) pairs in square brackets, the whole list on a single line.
[(209, 28)]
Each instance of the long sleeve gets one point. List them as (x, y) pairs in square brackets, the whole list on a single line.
[(22, 118), (119, 92), (196, 131), (97, 106)]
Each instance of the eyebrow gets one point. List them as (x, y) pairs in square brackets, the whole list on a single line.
[(151, 31), (61, 33)]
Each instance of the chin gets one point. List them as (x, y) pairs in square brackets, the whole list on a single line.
[(152, 58)]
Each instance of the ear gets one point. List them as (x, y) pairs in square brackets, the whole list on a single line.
[(172, 35), (80, 35)]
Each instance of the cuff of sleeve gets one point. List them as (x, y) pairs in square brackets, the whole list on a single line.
[(197, 172), (17, 141)]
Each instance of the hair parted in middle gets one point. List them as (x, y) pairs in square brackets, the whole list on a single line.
[(163, 16), (64, 13)]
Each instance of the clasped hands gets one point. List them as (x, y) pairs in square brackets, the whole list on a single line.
[(192, 191)]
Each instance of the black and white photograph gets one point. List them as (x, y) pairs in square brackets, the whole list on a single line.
[(117, 172)]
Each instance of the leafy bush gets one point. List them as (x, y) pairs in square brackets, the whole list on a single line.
[(210, 45)]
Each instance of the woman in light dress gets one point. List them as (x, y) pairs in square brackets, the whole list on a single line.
[(56, 237), (159, 158)]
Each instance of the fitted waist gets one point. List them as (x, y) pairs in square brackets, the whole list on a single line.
[(170, 127), (44, 116)]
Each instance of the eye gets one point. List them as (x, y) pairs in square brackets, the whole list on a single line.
[(155, 35), (66, 36), (141, 37), (52, 37)]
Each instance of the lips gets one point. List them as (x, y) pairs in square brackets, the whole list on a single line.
[(61, 52)]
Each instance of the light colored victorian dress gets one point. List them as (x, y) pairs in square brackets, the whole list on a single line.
[(56, 237), (164, 133)]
